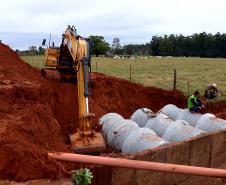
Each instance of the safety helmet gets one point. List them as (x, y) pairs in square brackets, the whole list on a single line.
[(214, 85)]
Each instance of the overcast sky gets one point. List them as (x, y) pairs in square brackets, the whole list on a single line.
[(27, 22)]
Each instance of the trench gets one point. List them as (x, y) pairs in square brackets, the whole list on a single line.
[(38, 114)]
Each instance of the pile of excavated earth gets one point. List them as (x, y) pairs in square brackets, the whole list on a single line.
[(38, 114)]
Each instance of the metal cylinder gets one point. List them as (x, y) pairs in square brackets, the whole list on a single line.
[(171, 111), (180, 130), (108, 121), (191, 118), (159, 123), (208, 122), (140, 140), (119, 132), (141, 116)]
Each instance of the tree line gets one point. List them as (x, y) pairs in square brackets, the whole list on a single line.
[(196, 45), (39, 51)]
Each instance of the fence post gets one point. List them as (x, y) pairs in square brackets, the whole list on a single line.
[(96, 66), (188, 87), (130, 73), (174, 79)]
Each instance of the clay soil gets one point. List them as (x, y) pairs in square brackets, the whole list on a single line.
[(37, 114)]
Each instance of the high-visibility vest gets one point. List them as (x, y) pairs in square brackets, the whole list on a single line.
[(190, 104)]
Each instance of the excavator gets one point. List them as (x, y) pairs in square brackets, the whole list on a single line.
[(72, 60)]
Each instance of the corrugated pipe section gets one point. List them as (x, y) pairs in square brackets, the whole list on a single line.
[(147, 130)]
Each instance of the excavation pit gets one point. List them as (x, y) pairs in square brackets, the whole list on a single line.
[(38, 114)]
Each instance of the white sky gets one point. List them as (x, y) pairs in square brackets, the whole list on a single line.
[(27, 22)]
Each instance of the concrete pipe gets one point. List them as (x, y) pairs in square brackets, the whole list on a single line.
[(208, 122), (118, 134), (141, 116), (159, 123), (107, 117), (112, 132), (108, 121), (191, 118), (171, 111), (180, 130), (140, 140)]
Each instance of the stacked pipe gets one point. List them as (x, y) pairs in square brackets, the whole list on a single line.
[(126, 135), (206, 122), (171, 130), (147, 130)]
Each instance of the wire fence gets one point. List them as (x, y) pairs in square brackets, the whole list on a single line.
[(183, 74), (174, 81)]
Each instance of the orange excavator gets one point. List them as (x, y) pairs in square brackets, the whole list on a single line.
[(72, 60)]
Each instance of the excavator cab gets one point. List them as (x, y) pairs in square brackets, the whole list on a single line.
[(51, 57), (72, 61)]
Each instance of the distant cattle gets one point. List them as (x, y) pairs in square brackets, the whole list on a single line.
[(116, 57)]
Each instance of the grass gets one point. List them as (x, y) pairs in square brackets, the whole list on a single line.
[(158, 72), (36, 60)]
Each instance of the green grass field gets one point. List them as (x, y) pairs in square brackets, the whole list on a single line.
[(36, 60), (158, 72)]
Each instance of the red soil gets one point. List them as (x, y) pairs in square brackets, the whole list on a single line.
[(37, 114)]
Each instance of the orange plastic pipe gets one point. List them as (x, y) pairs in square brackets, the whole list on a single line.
[(144, 165)]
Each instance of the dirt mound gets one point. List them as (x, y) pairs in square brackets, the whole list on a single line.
[(13, 68), (111, 94), (37, 114), (28, 126)]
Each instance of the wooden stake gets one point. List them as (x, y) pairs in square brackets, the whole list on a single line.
[(174, 79)]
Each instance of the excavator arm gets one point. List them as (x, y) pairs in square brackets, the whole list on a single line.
[(78, 48), (85, 140)]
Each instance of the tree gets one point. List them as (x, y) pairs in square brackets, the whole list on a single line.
[(116, 47), (41, 50), (155, 45), (128, 49), (99, 45)]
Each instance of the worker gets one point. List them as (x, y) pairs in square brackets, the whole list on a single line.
[(194, 104), (211, 91)]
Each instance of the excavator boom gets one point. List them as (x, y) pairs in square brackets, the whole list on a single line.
[(73, 61)]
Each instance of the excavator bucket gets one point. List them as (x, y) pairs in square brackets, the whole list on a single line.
[(92, 144), (86, 140)]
